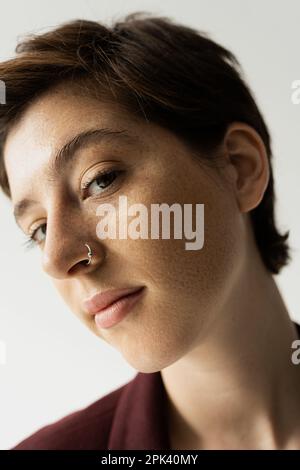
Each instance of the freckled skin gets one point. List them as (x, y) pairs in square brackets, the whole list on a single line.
[(182, 285)]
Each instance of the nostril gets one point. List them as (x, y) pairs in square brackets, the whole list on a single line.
[(78, 266)]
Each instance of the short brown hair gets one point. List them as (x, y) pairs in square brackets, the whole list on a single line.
[(167, 73)]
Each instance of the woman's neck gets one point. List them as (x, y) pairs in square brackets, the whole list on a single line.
[(237, 387)]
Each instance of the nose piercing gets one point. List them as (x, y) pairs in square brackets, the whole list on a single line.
[(89, 254)]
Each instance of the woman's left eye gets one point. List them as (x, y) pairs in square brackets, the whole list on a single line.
[(100, 182)]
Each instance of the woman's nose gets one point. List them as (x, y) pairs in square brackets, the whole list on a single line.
[(70, 251), (66, 261)]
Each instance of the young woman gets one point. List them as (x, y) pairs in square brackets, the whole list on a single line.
[(159, 113)]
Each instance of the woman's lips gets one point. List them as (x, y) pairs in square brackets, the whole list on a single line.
[(111, 306)]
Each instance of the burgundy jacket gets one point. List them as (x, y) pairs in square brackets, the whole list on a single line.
[(131, 417)]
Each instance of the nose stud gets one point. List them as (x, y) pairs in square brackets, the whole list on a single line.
[(89, 254)]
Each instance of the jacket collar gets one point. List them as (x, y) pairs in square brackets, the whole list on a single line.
[(140, 419)]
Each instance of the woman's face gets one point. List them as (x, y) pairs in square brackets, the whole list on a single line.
[(183, 288)]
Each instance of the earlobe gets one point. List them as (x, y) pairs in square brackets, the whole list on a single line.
[(249, 164)]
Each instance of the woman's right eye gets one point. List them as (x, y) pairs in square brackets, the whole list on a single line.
[(36, 231), (33, 238)]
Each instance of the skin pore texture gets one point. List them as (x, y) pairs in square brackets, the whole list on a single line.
[(212, 321)]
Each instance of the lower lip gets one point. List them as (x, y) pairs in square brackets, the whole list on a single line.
[(115, 312)]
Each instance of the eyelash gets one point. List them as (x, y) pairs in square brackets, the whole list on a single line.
[(30, 242)]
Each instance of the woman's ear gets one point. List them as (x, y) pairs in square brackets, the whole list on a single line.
[(248, 164)]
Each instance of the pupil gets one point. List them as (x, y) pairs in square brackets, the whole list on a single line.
[(106, 177)]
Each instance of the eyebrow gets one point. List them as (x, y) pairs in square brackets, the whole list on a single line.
[(67, 153)]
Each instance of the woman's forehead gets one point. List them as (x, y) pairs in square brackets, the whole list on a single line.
[(50, 122)]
